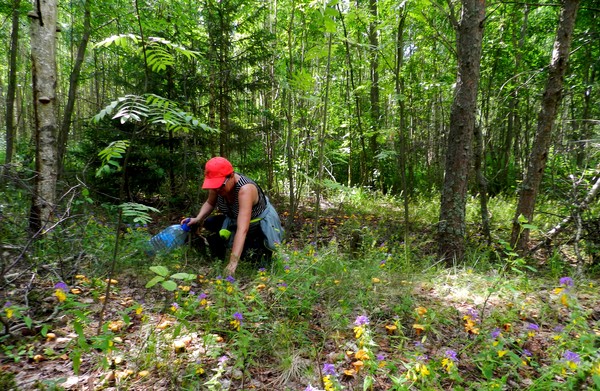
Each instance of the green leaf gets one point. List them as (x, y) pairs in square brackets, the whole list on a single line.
[(76, 358), (28, 321), (183, 276), (169, 285), (114, 150), (154, 281), (139, 212), (329, 25), (78, 328), (160, 270), (522, 219), (487, 372), (514, 358), (177, 330), (367, 383)]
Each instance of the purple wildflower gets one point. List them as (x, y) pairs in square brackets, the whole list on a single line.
[(329, 369), (526, 353), (533, 327), (62, 286), (310, 388), (380, 357), (566, 281), (472, 314), (361, 320), (451, 354), (559, 328), (223, 360), (7, 304), (570, 356), (495, 333), (202, 296), (175, 305), (230, 279), (237, 316), (262, 270)]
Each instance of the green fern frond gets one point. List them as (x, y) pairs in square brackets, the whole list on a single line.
[(122, 40), (153, 109), (159, 59), (139, 212), (109, 156), (160, 53)]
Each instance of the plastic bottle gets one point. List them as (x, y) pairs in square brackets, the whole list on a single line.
[(168, 239)]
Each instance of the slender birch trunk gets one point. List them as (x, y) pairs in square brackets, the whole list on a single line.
[(43, 61)]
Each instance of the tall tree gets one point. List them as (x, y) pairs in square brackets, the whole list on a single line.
[(352, 92), (43, 60), (402, 133), (73, 82), (374, 90), (12, 83), (462, 127), (288, 96), (546, 117)]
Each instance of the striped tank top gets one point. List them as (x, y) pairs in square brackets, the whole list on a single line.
[(232, 210)]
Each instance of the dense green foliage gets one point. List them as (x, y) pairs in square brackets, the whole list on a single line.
[(255, 72)]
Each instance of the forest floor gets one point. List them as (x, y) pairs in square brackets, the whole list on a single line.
[(346, 313)]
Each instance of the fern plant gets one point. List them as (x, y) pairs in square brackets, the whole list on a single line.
[(109, 156), (160, 53), (151, 108)]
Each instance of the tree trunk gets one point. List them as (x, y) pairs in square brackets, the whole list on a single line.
[(224, 79), (290, 122), (512, 127), (482, 184), (63, 135), (546, 117), (43, 60), (374, 91), (358, 115), (12, 84), (462, 127), (402, 133), (323, 133)]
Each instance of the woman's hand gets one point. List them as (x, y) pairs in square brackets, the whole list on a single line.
[(190, 221)]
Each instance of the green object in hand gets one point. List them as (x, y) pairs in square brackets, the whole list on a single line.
[(225, 233)]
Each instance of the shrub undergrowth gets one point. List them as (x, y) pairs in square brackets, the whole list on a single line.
[(367, 307)]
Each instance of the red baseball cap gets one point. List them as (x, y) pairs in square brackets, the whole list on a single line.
[(215, 172)]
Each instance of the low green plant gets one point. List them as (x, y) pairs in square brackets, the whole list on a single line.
[(167, 280)]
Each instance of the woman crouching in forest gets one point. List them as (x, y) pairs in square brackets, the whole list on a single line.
[(249, 224)]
